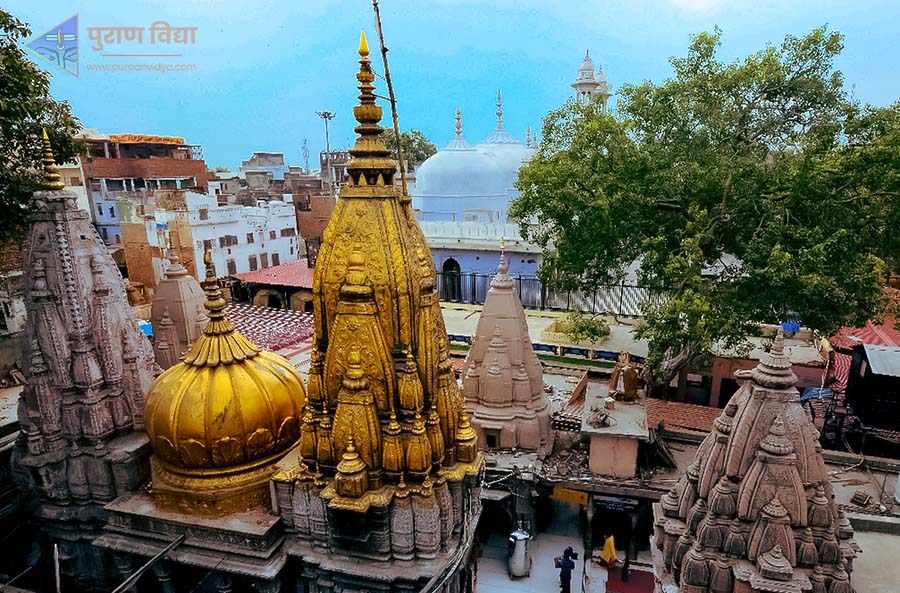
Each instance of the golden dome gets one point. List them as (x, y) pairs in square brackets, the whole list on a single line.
[(226, 404)]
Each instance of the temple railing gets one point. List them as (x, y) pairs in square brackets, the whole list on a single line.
[(617, 299)]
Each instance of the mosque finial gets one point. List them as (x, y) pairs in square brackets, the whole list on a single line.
[(51, 180), (528, 137), (502, 243), (458, 123), (499, 110), (587, 54)]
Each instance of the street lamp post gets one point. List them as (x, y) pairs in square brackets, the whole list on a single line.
[(327, 116)]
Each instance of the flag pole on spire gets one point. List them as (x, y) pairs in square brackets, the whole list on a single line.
[(387, 78)]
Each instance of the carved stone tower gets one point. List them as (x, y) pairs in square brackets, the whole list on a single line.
[(755, 511), (89, 368), (502, 377), (177, 314)]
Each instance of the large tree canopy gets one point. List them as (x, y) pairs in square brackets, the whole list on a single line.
[(25, 107), (416, 146), (755, 191)]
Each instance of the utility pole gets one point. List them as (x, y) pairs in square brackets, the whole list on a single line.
[(305, 156), (393, 99), (327, 116)]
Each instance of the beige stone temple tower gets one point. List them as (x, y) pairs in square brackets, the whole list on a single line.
[(502, 378), (177, 314)]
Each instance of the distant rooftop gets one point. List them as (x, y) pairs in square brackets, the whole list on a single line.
[(271, 329), (295, 274)]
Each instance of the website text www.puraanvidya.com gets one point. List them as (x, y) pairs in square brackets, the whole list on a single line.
[(159, 67)]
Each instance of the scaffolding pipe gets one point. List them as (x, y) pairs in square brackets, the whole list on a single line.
[(130, 581)]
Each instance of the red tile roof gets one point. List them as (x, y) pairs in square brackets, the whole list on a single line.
[(885, 334), (271, 329), (295, 274), (681, 415)]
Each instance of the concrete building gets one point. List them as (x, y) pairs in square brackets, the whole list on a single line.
[(241, 238), (12, 307), (119, 164)]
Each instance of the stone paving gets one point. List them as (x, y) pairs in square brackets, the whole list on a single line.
[(563, 532)]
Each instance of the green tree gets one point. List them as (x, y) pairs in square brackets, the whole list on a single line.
[(25, 107), (754, 191), (416, 147)]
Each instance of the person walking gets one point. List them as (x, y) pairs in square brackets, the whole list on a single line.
[(566, 566)]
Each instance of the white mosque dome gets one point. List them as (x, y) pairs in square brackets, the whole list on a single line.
[(458, 171), (502, 148), (458, 180)]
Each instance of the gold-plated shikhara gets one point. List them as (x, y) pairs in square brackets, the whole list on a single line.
[(381, 391), (50, 180), (220, 419)]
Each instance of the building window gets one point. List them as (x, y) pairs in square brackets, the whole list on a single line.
[(272, 235), (232, 267), (207, 244), (167, 184), (276, 259), (115, 185), (249, 237), (288, 232), (99, 209), (292, 250), (112, 212), (74, 180), (252, 261), (103, 232), (492, 438), (264, 260), (118, 240), (204, 214), (95, 185)]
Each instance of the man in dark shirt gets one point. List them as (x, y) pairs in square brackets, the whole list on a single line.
[(566, 566)]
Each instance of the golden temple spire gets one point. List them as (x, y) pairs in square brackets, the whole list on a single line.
[(363, 44), (50, 180), (220, 342)]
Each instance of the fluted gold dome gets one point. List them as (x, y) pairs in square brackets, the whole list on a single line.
[(227, 404)]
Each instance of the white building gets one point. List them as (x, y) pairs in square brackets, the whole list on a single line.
[(241, 238)]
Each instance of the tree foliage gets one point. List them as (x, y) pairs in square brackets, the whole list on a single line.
[(25, 107), (416, 147), (754, 191)]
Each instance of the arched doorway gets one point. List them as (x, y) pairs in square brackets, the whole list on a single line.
[(451, 282)]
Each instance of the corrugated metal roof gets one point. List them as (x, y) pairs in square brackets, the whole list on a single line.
[(883, 360)]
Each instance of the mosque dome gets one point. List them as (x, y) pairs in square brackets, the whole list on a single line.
[(586, 70), (504, 150), (227, 404), (459, 170)]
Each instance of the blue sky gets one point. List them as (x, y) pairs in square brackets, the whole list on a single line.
[(263, 68)]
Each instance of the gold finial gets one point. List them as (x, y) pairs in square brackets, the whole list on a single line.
[(220, 343), (363, 44), (502, 243), (50, 180), (215, 300)]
